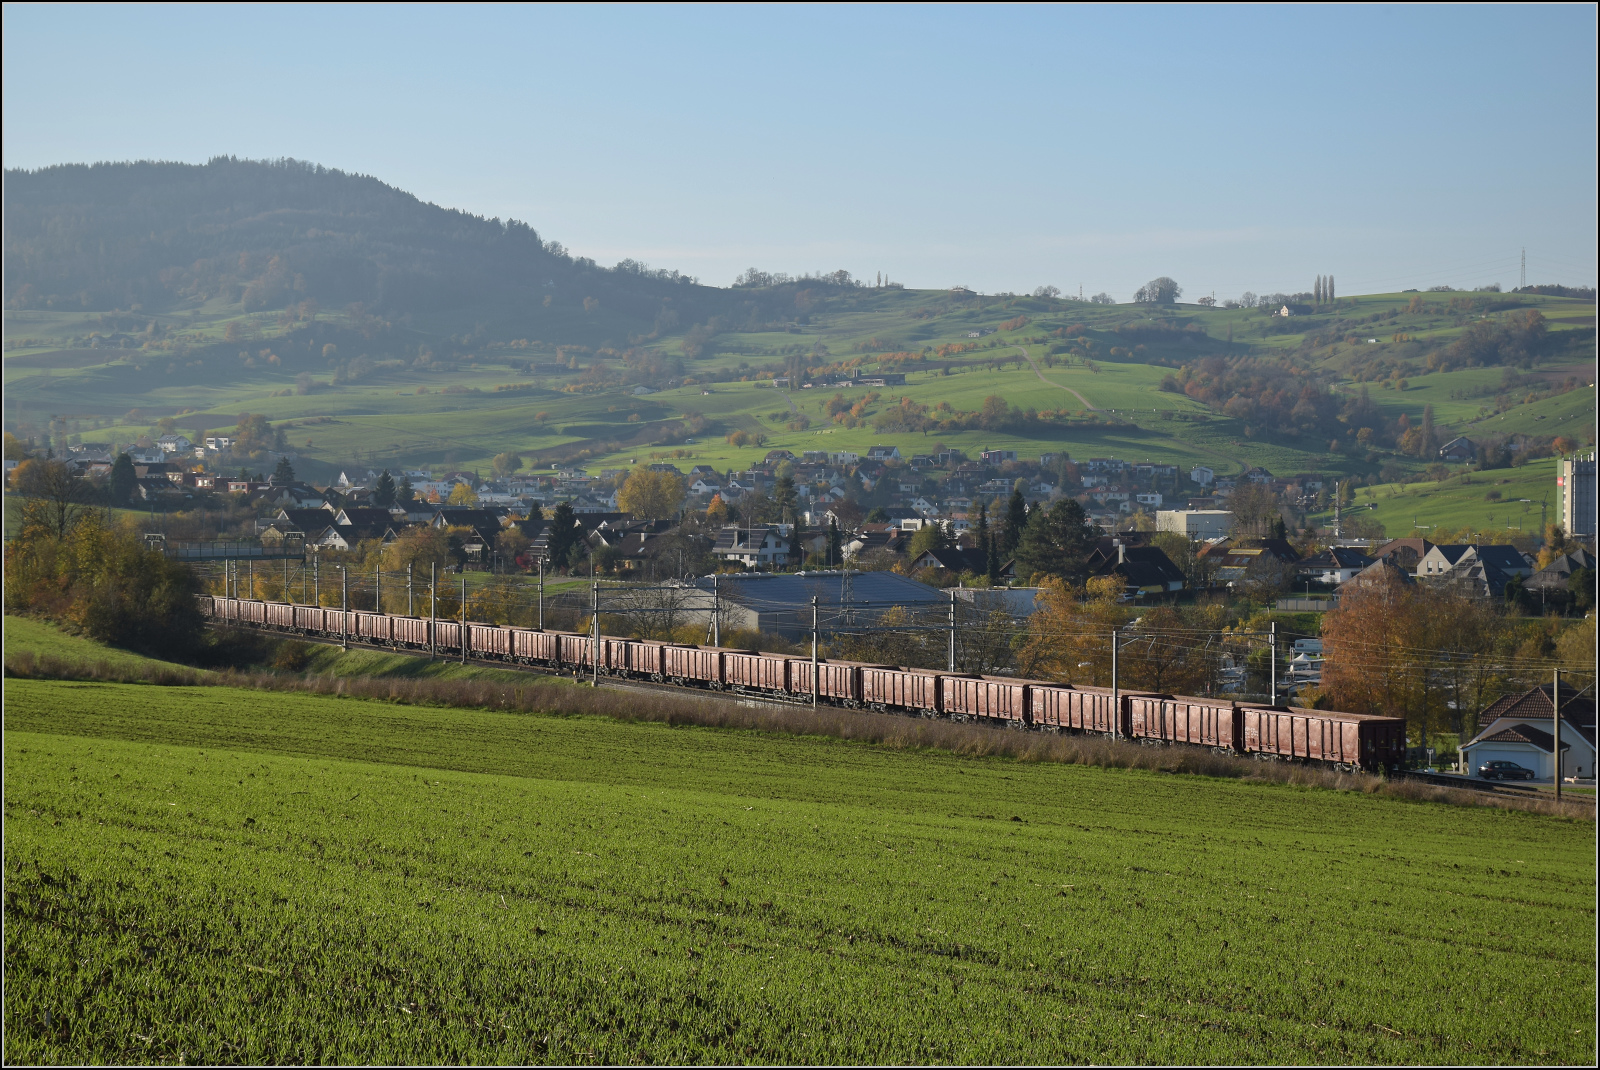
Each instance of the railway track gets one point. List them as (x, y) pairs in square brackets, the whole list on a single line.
[(1448, 781)]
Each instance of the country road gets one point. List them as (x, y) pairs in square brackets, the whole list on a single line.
[(1047, 382)]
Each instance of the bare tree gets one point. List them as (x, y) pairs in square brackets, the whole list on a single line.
[(60, 497)]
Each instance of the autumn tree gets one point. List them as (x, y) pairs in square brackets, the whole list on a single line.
[(506, 463), (652, 495), (462, 495), (60, 498), (1069, 633)]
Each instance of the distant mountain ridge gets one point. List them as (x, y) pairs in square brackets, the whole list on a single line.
[(272, 234)]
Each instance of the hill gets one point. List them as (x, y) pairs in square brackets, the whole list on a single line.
[(394, 332)]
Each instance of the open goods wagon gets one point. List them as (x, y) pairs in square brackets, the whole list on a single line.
[(1345, 740), (1179, 719)]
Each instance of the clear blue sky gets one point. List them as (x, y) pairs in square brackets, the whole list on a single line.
[(1232, 148)]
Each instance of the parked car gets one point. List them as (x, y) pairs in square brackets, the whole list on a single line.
[(1504, 771)]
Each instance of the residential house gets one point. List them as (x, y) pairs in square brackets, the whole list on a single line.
[(1144, 570), (1557, 573), (1333, 566), (760, 546), (884, 453), (1520, 728), (1258, 475), (1234, 559), (175, 444), (1406, 553), (955, 560), (1458, 449), (1480, 570), (997, 457), (870, 537)]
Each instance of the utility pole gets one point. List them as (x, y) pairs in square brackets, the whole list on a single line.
[(344, 606), (1524, 278), (377, 587), (433, 607), (541, 592), (716, 613), (594, 626), (813, 651), (1272, 652), (463, 614), (1555, 719), (411, 575), (1116, 694), (950, 654), (1338, 524), (316, 579)]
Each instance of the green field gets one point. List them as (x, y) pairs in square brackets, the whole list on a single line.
[(1462, 500), (203, 874), (397, 413)]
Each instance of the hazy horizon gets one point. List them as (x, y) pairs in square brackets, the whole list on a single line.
[(1230, 148)]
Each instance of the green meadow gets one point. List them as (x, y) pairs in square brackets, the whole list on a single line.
[(400, 413), (214, 875)]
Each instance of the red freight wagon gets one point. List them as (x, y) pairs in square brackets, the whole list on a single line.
[(748, 670), (373, 626), (206, 604), (1078, 709), (339, 622), (447, 634), (574, 649), (985, 696), (1347, 739), (529, 645), (412, 631), (613, 654), (890, 687), (1180, 719), (308, 618), (702, 665), (280, 614), (253, 611), (644, 658), (837, 681), (487, 640)]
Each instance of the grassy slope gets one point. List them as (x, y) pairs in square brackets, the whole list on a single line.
[(42, 637), (1455, 503), (326, 880), (386, 417)]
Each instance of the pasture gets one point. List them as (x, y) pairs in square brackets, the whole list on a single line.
[(204, 874)]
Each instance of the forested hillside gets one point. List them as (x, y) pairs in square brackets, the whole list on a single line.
[(273, 235)]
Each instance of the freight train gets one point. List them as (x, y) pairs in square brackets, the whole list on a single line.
[(1347, 741)]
